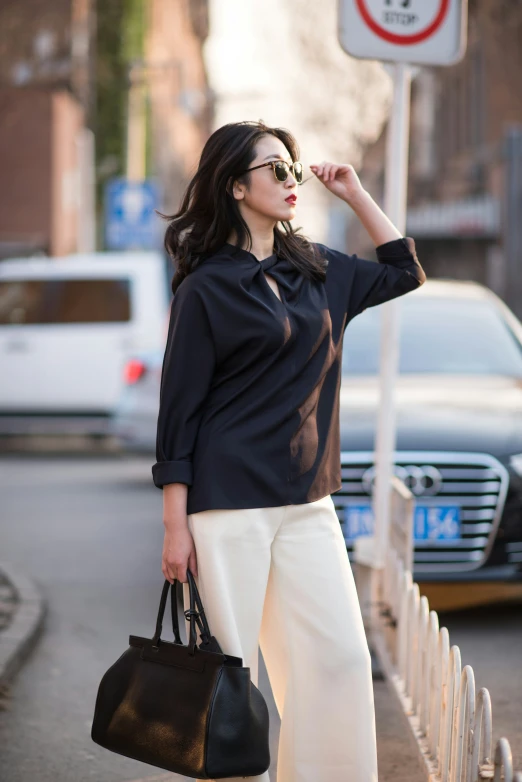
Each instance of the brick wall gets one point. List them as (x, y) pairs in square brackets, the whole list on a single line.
[(477, 99), (48, 44), (38, 171), (459, 116), (25, 169)]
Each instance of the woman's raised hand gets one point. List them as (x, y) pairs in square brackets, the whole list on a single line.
[(339, 178)]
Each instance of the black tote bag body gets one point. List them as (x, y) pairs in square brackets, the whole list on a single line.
[(188, 709)]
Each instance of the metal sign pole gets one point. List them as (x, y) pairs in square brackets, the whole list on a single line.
[(395, 201), (400, 34), (512, 211), (136, 126)]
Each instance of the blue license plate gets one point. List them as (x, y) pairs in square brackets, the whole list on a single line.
[(430, 522)]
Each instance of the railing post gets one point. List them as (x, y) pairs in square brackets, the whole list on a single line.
[(404, 621), (430, 674), (452, 727), (482, 768), (450, 736), (503, 762), (413, 639), (463, 728), (421, 657), (441, 706)]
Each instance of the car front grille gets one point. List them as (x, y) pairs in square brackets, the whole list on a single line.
[(476, 482), (514, 553)]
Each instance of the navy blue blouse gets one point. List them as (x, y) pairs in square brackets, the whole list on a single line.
[(249, 400)]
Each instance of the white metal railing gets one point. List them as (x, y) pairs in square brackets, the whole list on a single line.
[(451, 723)]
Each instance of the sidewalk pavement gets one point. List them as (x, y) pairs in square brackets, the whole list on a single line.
[(397, 757), (22, 612)]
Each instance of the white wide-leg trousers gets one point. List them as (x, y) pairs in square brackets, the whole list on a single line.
[(280, 578)]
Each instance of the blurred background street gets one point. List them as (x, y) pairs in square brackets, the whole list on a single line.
[(104, 110), (87, 529)]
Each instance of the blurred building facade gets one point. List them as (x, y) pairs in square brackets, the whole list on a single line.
[(463, 158), (181, 102), (46, 104), (267, 61)]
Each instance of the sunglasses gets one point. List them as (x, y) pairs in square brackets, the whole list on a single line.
[(281, 170)]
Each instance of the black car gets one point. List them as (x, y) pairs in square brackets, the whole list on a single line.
[(459, 429)]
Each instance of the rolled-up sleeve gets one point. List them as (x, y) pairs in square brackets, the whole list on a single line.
[(398, 271), (186, 376), (368, 283)]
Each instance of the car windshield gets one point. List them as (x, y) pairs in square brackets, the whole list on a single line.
[(457, 336)]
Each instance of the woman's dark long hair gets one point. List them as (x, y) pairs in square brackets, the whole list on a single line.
[(209, 212)]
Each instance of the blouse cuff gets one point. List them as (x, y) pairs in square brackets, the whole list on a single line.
[(396, 249), (172, 472)]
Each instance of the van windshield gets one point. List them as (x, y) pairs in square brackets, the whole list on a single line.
[(56, 300)]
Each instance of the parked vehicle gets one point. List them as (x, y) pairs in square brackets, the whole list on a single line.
[(459, 427), (67, 328), (135, 419)]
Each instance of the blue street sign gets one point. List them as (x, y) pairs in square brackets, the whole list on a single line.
[(130, 220)]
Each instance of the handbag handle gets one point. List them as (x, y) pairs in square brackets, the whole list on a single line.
[(179, 614), (197, 611)]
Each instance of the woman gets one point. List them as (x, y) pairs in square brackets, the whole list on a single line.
[(248, 443)]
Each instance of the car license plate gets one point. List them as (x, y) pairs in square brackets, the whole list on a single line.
[(430, 522)]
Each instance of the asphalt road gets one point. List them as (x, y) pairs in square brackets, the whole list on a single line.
[(88, 530)]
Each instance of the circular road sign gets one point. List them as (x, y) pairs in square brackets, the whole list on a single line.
[(429, 32), (397, 22)]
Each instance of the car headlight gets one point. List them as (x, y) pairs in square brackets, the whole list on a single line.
[(515, 462)]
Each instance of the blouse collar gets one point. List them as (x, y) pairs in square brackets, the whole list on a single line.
[(245, 255)]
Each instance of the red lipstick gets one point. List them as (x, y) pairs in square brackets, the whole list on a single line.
[(291, 199)]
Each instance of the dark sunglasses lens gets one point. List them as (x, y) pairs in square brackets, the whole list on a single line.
[(281, 171), (298, 172)]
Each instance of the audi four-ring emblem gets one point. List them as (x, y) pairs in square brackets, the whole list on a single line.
[(422, 480)]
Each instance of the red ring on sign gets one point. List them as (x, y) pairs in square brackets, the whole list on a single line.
[(403, 39)]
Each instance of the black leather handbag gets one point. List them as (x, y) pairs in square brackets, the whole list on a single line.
[(186, 708)]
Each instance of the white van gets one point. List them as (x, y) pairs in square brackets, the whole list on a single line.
[(67, 328)]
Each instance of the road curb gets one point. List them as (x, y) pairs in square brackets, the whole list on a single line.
[(21, 634)]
